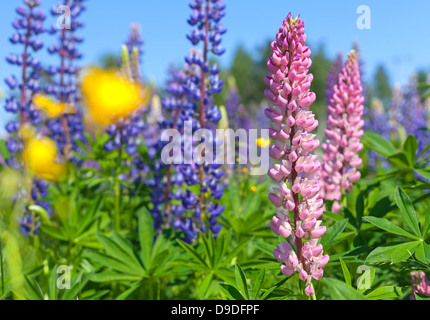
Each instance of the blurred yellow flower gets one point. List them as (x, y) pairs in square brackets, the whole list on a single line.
[(253, 188), (111, 97), (27, 131), (52, 108), (41, 158), (263, 143)]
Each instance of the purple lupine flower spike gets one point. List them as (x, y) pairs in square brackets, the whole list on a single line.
[(201, 84), (343, 133), (296, 168), (333, 77), (68, 128), (28, 26)]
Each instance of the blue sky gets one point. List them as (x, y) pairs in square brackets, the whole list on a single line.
[(399, 35)]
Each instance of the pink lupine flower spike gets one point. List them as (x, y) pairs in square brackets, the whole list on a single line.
[(343, 133), (296, 168)]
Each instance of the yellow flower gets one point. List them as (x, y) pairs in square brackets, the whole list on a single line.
[(263, 143), (244, 170), (253, 188), (52, 108), (27, 131), (40, 157), (111, 97)]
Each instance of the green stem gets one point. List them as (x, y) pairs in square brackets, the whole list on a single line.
[(314, 297), (1, 267), (117, 188)]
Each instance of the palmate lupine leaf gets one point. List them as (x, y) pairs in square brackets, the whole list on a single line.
[(346, 273), (407, 210), (394, 253), (410, 148), (241, 281), (339, 290), (385, 293), (375, 142), (332, 232), (390, 227), (146, 236), (258, 284)]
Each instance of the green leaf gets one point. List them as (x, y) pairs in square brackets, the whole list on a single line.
[(339, 290), (375, 142), (424, 173), (126, 294), (271, 289), (408, 212), (109, 262), (204, 287), (193, 253), (419, 296), (382, 207), (53, 293), (146, 236), (359, 209), (32, 289), (346, 273), (424, 151), (234, 196), (78, 283), (252, 204), (118, 248), (385, 293), (426, 226), (221, 246), (258, 284), (4, 151), (265, 247), (420, 253), (365, 281), (231, 292), (332, 232), (241, 281), (208, 247), (113, 276), (400, 159), (420, 186), (388, 226), (54, 232), (410, 148), (394, 253), (427, 250)]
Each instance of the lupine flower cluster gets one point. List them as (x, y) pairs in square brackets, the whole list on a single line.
[(343, 132), (420, 284), (130, 131), (333, 77), (378, 120), (296, 170), (166, 196), (237, 116), (28, 26), (66, 127), (127, 130), (411, 113), (201, 83)]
